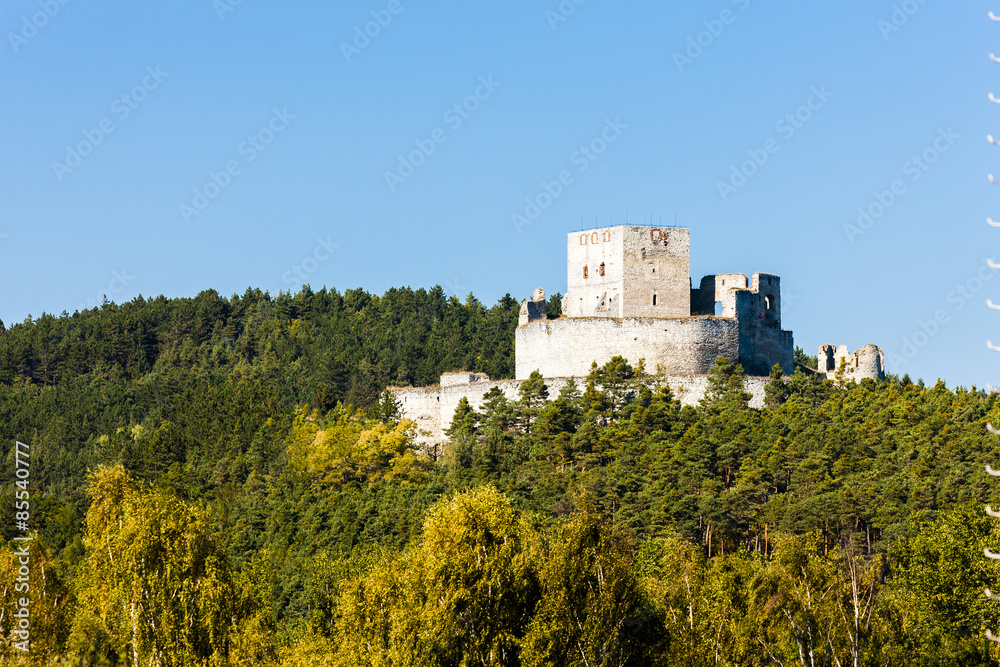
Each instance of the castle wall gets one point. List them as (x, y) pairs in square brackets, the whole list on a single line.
[(762, 341), (868, 362), (871, 362), (766, 347), (462, 378), (423, 406), (825, 360), (534, 309), (566, 347), (433, 408), (768, 289), (718, 288)]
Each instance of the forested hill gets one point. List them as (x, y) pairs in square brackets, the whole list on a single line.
[(179, 365), (221, 482), (317, 347)]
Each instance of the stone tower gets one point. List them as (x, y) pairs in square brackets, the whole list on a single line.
[(628, 272)]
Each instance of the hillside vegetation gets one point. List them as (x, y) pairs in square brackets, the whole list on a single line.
[(224, 481)]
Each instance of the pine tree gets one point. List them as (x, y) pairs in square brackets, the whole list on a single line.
[(776, 391)]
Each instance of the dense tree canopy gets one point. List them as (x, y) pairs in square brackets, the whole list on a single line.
[(223, 481)]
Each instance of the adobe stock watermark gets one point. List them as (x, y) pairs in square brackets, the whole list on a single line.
[(454, 116), (363, 37), (786, 126), (913, 169), (31, 25), (322, 252), (119, 281), (581, 158), (21, 626), (223, 7), (704, 39), (122, 107), (249, 149), (927, 329), (900, 15), (562, 13), (455, 287), (788, 300)]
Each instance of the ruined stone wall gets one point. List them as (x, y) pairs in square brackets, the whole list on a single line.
[(717, 288), (762, 341), (766, 347), (423, 406), (868, 362), (433, 408), (690, 389), (535, 309), (566, 347), (462, 378)]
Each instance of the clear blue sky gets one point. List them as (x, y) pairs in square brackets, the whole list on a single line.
[(309, 116)]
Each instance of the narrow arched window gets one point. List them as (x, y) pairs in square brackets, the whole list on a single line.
[(654, 299), (600, 269), (586, 273)]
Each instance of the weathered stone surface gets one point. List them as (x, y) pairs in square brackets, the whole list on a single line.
[(536, 309), (868, 362), (568, 346), (717, 289), (462, 378)]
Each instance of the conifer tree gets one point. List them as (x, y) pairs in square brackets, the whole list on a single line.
[(775, 391)]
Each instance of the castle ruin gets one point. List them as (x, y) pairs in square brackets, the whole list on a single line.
[(629, 294), (868, 362)]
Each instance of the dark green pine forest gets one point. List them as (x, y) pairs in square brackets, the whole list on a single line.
[(226, 481)]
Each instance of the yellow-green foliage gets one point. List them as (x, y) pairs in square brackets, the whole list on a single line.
[(49, 604), (348, 447), (593, 610), (461, 595), (310, 651), (154, 589)]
